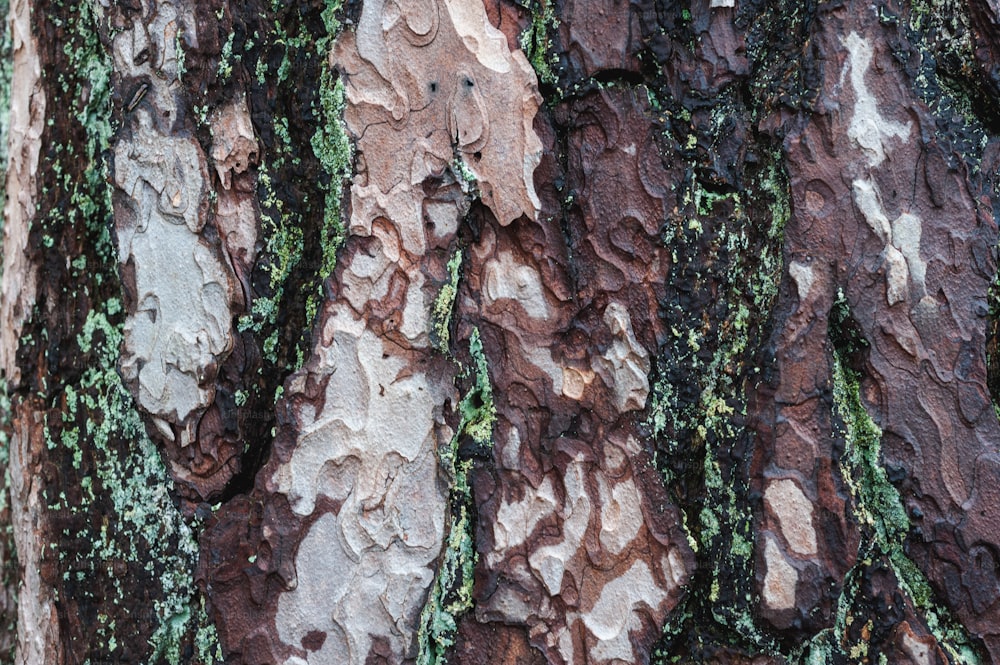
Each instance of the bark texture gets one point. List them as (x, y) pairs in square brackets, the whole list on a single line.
[(452, 331)]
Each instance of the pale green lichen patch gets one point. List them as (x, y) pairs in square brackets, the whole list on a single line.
[(122, 530), (949, 22), (464, 176), (443, 305), (283, 246), (943, 62), (536, 40), (291, 252), (227, 59), (451, 595), (160, 543), (333, 148), (706, 421), (878, 506), (479, 413)]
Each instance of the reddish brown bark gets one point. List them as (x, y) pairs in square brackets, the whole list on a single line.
[(668, 339)]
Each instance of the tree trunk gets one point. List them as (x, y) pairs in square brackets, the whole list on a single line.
[(544, 332)]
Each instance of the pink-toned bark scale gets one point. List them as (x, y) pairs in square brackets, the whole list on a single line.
[(581, 556), (27, 117), (36, 631), (579, 540)]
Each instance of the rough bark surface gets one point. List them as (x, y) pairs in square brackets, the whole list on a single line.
[(354, 483), (452, 331)]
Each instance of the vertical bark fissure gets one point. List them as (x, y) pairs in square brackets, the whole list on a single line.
[(124, 557), (451, 596), (305, 160), (9, 577), (726, 236), (884, 525)]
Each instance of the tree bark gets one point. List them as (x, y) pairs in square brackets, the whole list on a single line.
[(449, 331)]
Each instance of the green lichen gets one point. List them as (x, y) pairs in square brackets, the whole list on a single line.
[(284, 243), (705, 421), (288, 254), (479, 413), (945, 75), (332, 147), (118, 469), (226, 60), (948, 20), (137, 485), (443, 305), (206, 638), (536, 41), (878, 506), (180, 54), (451, 594), (464, 176)]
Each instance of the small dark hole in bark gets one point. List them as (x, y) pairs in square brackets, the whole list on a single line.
[(434, 87), (895, 474), (477, 399)]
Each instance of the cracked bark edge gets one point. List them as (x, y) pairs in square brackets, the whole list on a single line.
[(27, 115), (38, 639), (36, 632)]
